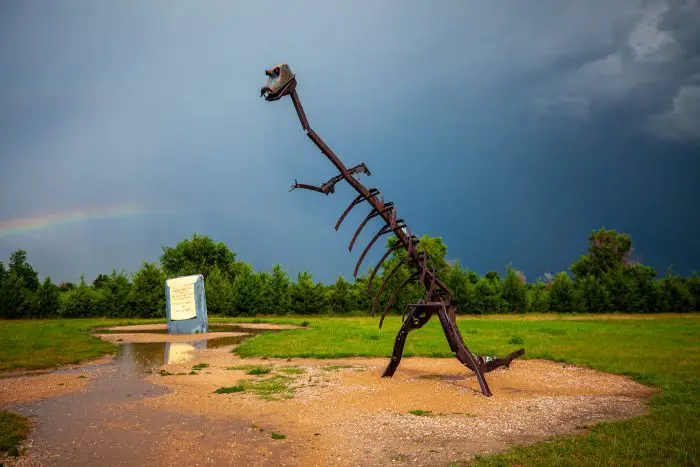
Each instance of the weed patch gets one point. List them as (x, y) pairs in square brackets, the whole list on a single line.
[(516, 340), (277, 435), (336, 367), (230, 389), (259, 370), (420, 412), (292, 370), (200, 366), (14, 429)]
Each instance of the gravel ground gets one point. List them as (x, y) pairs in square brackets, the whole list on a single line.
[(341, 412), (351, 416)]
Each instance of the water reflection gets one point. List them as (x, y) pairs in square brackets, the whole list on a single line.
[(143, 357)]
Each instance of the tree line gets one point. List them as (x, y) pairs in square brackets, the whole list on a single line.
[(603, 280)]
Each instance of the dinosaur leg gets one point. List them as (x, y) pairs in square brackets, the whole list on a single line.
[(415, 319), (449, 326)]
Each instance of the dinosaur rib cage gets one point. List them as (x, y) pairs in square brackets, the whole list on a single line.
[(435, 289)]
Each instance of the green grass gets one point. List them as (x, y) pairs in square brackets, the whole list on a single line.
[(277, 435), (252, 369), (14, 429), (420, 412), (292, 370), (230, 389), (273, 388), (200, 366), (259, 370), (35, 344)]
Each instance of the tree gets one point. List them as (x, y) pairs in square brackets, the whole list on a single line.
[(360, 297), (306, 297), (14, 297), (460, 283), (694, 290), (563, 297), (148, 292), (47, 300), (594, 294), (675, 296), (100, 281), (339, 298), (79, 302), (538, 298), (219, 292), (487, 297), (608, 251), (114, 297), (198, 255), (493, 276), (248, 294), (514, 293), (279, 291), (19, 265), (640, 286)]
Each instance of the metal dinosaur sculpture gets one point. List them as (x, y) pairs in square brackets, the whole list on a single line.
[(438, 298)]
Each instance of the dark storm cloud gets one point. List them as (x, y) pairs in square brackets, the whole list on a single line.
[(528, 117), (649, 75)]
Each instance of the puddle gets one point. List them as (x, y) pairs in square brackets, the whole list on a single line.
[(149, 355), (108, 425)]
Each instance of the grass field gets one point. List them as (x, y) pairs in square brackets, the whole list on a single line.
[(42, 344), (662, 351)]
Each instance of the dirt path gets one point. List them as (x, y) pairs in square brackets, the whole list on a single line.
[(340, 412)]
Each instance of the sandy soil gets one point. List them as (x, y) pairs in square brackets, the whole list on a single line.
[(25, 389), (351, 416)]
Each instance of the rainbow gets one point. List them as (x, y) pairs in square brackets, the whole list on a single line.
[(37, 223)]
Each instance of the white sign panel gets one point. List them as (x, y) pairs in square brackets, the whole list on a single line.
[(182, 304)]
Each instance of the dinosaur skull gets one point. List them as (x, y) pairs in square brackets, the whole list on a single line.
[(279, 83)]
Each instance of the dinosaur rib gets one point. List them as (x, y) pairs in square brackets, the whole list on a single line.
[(424, 267), (360, 198), (391, 301), (383, 231), (379, 264), (432, 284), (386, 281), (372, 214)]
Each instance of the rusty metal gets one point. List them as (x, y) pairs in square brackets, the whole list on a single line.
[(438, 299)]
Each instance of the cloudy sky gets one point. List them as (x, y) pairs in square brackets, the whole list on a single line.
[(511, 129)]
